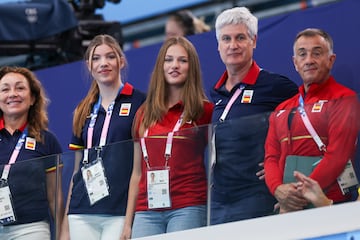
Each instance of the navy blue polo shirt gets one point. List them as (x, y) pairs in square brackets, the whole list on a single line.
[(117, 156), (240, 139), (27, 177)]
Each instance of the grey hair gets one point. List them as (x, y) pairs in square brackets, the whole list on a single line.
[(237, 15), (312, 32)]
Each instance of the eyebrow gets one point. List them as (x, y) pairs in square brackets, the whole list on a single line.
[(314, 48)]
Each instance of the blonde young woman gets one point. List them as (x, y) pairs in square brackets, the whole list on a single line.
[(101, 125)]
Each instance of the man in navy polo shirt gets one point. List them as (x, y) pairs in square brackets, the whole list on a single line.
[(244, 97)]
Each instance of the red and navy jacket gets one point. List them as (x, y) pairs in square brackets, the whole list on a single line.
[(333, 110)]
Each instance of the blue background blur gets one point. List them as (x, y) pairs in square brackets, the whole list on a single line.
[(132, 10)]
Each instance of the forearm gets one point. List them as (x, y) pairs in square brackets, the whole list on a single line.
[(131, 206)]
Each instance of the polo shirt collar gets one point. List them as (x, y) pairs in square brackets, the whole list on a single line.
[(315, 87), (178, 105), (127, 89), (2, 125), (249, 79)]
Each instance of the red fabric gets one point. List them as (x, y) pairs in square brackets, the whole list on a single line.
[(336, 124), (188, 184), (2, 124), (250, 77)]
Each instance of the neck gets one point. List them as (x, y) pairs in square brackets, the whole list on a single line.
[(174, 96), (12, 123), (307, 85), (236, 75), (108, 93)]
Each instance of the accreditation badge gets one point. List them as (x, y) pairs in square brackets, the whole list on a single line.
[(348, 178), (7, 213), (158, 188), (95, 181)]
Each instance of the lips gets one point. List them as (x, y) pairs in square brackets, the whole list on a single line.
[(105, 71), (174, 74), (234, 54), (309, 69), (13, 102)]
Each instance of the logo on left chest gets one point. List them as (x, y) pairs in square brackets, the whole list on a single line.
[(30, 143), (317, 107), (125, 109), (247, 96)]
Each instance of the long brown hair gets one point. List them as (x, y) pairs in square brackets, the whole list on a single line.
[(193, 95), (37, 119), (83, 110)]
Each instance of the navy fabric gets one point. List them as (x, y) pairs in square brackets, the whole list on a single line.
[(240, 138), (117, 159), (27, 178), (259, 204), (36, 19)]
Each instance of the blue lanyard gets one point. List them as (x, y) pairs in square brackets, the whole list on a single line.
[(14, 154), (105, 126)]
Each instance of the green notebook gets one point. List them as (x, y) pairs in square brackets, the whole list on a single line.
[(303, 164)]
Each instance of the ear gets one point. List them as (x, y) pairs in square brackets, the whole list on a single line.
[(332, 59), (121, 62), (88, 64), (295, 64), (32, 100), (254, 41)]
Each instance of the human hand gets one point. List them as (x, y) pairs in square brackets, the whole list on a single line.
[(289, 198), (311, 190), (126, 233), (261, 173)]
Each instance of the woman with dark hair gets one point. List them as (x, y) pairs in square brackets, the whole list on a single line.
[(28, 188), (184, 23)]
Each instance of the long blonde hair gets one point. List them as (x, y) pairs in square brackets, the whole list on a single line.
[(193, 95), (83, 110)]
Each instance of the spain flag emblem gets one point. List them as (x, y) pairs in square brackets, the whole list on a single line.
[(125, 109), (317, 107), (247, 96), (30, 143)]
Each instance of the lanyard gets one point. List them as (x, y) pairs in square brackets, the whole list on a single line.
[(231, 102), (14, 155), (169, 140), (309, 126), (105, 127)]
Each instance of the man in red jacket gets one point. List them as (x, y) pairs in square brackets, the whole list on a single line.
[(321, 120)]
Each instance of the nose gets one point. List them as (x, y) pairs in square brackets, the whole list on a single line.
[(175, 64), (13, 93), (233, 44), (309, 58), (103, 62)]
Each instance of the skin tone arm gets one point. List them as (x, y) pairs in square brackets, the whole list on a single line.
[(311, 190), (133, 193), (65, 234), (289, 198), (55, 198)]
